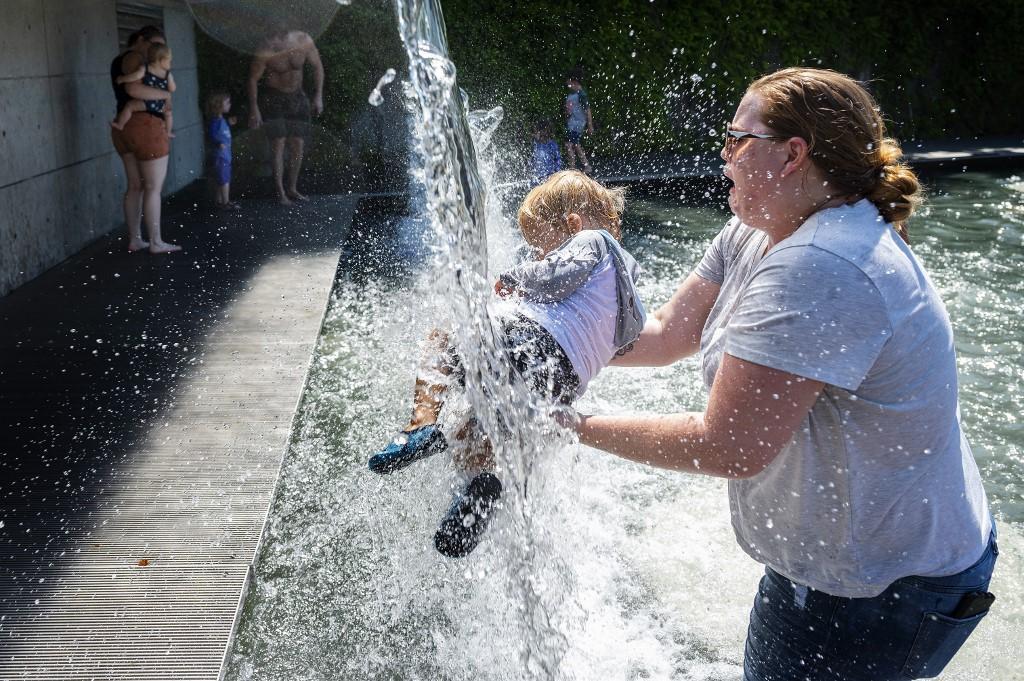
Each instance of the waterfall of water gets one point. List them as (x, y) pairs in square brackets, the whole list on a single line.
[(456, 203)]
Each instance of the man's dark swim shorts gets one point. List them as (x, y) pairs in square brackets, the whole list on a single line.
[(285, 114)]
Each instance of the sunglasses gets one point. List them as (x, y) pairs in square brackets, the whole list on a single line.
[(733, 137)]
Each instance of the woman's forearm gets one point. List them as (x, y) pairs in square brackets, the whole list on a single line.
[(674, 441), (753, 412)]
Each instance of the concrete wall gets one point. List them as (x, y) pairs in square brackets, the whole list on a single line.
[(186, 162), (60, 180)]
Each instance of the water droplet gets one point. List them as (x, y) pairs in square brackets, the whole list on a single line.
[(376, 98)]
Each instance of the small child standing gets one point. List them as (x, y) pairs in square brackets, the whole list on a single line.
[(156, 72), (577, 119), (546, 158), (571, 310), (218, 139)]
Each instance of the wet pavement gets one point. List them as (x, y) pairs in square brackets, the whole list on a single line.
[(147, 402)]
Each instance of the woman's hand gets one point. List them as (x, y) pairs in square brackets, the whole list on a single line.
[(567, 417), (255, 119), (503, 290)]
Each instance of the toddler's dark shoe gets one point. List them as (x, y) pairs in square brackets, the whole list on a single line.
[(407, 448), (468, 518)]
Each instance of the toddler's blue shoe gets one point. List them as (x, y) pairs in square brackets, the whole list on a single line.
[(467, 519), (407, 448)]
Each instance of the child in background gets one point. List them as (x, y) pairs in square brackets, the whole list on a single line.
[(218, 137), (156, 72), (577, 119), (568, 313), (546, 158)]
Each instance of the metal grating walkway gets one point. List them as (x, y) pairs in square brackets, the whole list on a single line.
[(147, 403)]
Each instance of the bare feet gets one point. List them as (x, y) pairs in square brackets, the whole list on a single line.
[(294, 194), (163, 247), (137, 245), (284, 200)]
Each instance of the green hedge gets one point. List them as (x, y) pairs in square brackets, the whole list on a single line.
[(661, 74), (940, 69)]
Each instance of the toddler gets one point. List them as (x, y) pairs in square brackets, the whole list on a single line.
[(546, 158), (572, 309), (156, 72), (218, 139)]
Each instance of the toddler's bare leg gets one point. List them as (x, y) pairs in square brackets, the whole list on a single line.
[(428, 395), (478, 455), (427, 400), (126, 113)]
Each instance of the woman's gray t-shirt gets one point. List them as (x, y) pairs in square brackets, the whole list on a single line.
[(879, 482)]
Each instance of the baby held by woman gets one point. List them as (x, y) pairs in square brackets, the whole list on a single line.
[(156, 73), (572, 309)]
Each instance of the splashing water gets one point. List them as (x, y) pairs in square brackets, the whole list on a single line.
[(376, 98), (602, 571), (503, 406), (350, 586)]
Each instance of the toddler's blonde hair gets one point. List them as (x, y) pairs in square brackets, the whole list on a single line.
[(157, 53), (548, 205)]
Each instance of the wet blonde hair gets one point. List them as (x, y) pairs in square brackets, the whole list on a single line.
[(215, 104), (548, 205), (157, 53), (845, 135)]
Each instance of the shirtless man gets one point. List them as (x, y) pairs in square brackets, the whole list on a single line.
[(282, 108)]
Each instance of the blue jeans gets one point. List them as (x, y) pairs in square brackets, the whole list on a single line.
[(797, 633)]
